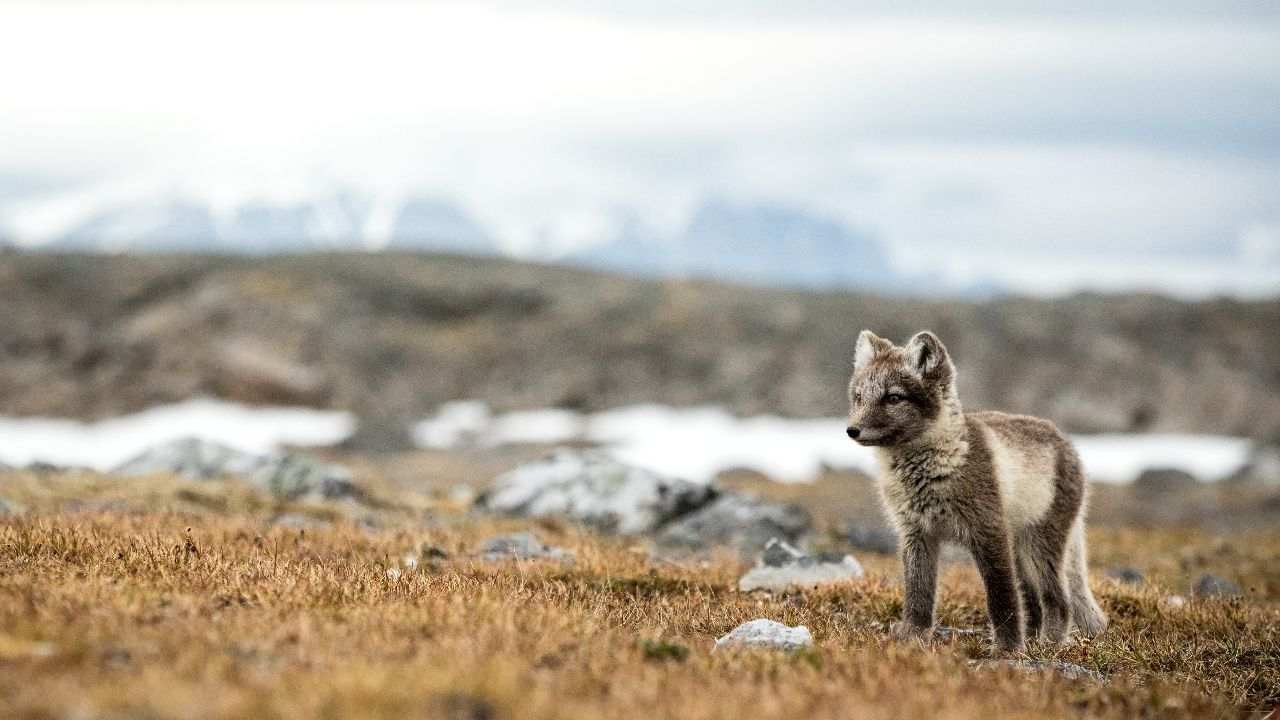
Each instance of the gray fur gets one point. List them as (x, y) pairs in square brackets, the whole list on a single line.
[(1009, 488)]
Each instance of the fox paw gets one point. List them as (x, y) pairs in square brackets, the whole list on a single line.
[(905, 632)]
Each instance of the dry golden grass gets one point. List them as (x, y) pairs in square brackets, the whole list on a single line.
[(212, 611)]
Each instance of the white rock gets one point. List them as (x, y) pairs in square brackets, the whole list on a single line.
[(783, 567), (590, 487), (281, 474), (520, 546), (766, 635)]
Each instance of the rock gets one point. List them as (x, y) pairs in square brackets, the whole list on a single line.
[(43, 468), (286, 476), (433, 552), (591, 487), (766, 635), (867, 538), (296, 476), (1262, 467), (520, 546), (782, 567), (1164, 480), (740, 521), (1126, 574), (192, 458), (462, 494), (1216, 585), (1175, 602), (1065, 669)]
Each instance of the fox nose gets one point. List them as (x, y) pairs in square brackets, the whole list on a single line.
[(854, 432)]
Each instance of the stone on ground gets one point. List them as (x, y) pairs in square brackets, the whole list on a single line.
[(287, 476), (766, 635), (520, 546), (1126, 574), (866, 537), (592, 488), (1216, 586), (742, 522), (783, 567)]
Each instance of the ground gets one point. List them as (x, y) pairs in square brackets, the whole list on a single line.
[(169, 598)]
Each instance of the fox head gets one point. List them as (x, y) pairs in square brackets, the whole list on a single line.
[(897, 393)]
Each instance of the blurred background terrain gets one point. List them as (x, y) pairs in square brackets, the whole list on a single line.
[(393, 336), (483, 231)]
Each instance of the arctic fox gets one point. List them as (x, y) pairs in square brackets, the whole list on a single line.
[(1009, 488)]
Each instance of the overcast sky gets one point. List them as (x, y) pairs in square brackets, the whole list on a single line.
[(1073, 145)]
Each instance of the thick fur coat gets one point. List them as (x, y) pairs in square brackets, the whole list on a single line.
[(1009, 488)]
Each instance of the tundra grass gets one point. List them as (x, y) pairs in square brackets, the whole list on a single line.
[(173, 599)]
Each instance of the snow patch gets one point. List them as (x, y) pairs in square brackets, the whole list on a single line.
[(109, 443), (1121, 458), (699, 443)]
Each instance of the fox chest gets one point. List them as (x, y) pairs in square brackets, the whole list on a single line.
[(920, 502)]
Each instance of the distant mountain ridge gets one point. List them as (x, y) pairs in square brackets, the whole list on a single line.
[(340, 222), (756, 243)]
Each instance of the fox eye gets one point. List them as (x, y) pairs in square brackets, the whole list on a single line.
[(892, 399)]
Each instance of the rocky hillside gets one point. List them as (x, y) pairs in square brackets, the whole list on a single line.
[(391, 336)]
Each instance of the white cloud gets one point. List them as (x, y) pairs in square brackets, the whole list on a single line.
[(993, 132)]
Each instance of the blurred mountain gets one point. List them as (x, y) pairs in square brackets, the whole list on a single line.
[(431, 224), (337, 222), (166, 225), (755, 243)]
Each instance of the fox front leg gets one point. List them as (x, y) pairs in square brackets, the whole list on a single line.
[(920, 571)]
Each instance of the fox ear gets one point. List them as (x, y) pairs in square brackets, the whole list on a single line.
[(868, 345), (926, 354)]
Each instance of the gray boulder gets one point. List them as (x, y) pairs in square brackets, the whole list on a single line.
[(592, 488), (1216, 586), (766, 635), (743, 522), (783, 567), (286, 476), (1262, 467), (1126, 574), (1164, 480), (876, 539), (520, 546)]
